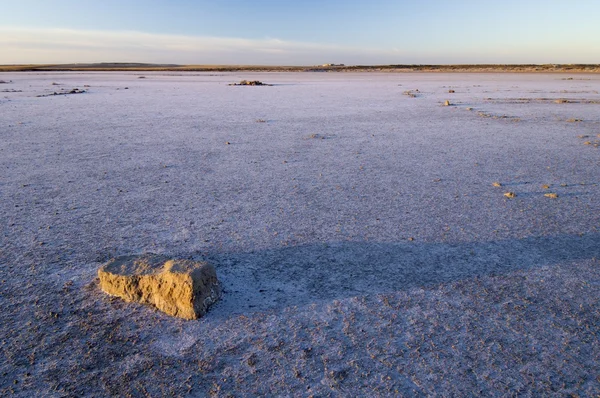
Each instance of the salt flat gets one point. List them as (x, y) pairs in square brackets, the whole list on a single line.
[(361, 243)]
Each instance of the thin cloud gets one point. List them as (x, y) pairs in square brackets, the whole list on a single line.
[(34, 45), (20, 45)]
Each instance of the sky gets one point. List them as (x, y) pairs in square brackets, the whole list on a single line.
[(300, 32)]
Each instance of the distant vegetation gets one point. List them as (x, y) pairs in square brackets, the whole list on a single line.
[(590, 68)]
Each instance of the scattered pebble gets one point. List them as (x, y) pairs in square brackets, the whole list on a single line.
[(510, 195), (316, 136), (551, 195), (496, 184)]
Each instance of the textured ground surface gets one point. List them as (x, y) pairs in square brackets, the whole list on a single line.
[(361, 244)]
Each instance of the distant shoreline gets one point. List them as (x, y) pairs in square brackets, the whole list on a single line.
[(470, 68)]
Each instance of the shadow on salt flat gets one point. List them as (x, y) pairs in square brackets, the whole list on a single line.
[(296, 276)]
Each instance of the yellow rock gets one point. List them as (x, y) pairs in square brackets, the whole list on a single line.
[(181, 288)]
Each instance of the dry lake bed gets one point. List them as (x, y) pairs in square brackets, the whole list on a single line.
[(370, 240)]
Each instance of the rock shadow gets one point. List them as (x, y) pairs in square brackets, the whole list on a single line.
[(300, 275)]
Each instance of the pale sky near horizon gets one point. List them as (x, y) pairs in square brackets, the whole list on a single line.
[(307, 32)]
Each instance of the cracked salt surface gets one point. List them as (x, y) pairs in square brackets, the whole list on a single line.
[(361, 244)]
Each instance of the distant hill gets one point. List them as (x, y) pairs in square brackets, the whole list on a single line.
[(128, 66), (117, 65)]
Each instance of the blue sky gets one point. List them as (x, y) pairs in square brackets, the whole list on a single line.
[(300, 32)]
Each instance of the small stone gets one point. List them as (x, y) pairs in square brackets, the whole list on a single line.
[(545, 186), (551, 195), (510, 195), (496, 184), (447, 103), (181, 288)]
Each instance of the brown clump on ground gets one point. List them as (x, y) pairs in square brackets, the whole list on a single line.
[(250, 83), (181, 288)]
